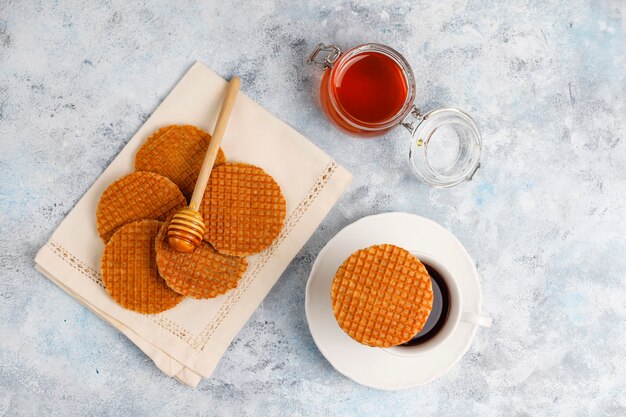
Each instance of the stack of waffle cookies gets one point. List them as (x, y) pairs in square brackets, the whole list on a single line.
[(243, 209)]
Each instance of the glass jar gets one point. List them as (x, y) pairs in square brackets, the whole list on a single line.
[(370, 89)]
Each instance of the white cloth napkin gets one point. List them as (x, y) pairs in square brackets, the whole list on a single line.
[(188, 341)]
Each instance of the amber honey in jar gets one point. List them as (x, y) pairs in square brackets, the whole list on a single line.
[(370, 89)]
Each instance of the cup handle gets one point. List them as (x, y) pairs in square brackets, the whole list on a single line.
[(476, 319)]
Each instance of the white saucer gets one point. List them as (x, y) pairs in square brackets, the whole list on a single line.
[(376, 367)]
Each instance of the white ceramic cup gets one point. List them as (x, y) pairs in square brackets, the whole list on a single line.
[(455, 313)]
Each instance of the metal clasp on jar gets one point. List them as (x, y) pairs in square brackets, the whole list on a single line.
[(322, 61), (412, 120)]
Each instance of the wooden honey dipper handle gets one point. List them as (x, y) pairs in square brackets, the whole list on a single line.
[(214, 145), (185, 230)]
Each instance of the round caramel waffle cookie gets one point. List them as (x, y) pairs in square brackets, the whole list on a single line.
[(137, 196), (176, 152), (243, 209), (130, 273), (203, 273), (382, 296)]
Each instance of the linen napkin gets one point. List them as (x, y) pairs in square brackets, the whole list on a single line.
[(188, 341)]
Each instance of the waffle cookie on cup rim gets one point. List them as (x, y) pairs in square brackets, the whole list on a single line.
[(137, 196), (129, 270), (382, 296), (176, 152), (243, 209), (203, 273)]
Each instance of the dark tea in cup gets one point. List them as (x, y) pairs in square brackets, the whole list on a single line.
[(439, 313)]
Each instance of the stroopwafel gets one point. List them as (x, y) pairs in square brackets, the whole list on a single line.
[(137, 196), (382, 296), (129, 270), (203, 273), (176, 152), (243, 209)]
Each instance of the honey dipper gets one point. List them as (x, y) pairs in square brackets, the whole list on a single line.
[(186, 228)]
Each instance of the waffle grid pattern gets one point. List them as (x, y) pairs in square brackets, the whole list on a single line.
[(243, 209), (137, 196), (201, 340), (176, 152), (203, 273), (382, 296), (129, 270)]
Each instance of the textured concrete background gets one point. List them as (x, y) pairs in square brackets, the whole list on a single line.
[(544, 217)]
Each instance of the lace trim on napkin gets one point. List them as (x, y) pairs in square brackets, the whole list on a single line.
[(199, 342), (76, 263)]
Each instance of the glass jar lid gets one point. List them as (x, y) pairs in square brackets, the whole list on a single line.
[(445, 146)]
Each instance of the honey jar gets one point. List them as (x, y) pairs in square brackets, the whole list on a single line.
[(370, 89)]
